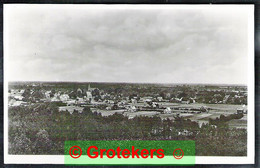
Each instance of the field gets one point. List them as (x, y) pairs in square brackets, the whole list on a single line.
[(238, 123), (215, 111)]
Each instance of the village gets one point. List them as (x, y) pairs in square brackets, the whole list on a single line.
[(190, 105)]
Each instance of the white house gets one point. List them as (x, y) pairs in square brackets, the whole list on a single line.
[(159, 98), (64, 97), (167, 110)]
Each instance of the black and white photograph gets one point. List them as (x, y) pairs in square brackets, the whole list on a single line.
[(129, 72)]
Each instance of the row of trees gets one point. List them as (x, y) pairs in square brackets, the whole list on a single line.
[(42, 129)]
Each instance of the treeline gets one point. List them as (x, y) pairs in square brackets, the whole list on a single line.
[(42, 129), (223, 119)]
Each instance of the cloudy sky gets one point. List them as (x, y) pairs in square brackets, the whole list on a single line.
[(126, 44)]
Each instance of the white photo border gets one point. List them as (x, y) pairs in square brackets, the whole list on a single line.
[(59, 159)]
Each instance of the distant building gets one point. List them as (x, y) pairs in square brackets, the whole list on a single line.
[(55, 99), (167, 110), (185, 133), (89, 95), (133, 101), (14, 103), (110, 102), (48, 94), (80, 101), (132, 109), (155, 105), (64, 97), (160, 99), (242, 110), (18, 97)]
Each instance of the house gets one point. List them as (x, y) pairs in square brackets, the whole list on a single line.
[(159, 99), (89, 95), (242, 110), (64, 97), (167, 110), (110, 101), (185, 133), (55, 98), (80, 101), (48, 94), (155, 105), (146, 99), (18, 97), (133, 101)]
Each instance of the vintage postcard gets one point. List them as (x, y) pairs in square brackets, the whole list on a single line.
[(129, 73)]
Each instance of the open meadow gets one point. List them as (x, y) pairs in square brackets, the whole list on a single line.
[(215, 110)]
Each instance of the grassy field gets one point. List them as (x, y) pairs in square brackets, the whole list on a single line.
[(221, 108), (109, 112), (215, 111), (144, 113)]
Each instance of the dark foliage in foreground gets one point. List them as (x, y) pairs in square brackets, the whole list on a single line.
[(42, 129)]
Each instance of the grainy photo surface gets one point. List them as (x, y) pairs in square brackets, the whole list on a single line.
[(127, 73)]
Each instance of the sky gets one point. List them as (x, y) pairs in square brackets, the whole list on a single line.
[(203, 44)]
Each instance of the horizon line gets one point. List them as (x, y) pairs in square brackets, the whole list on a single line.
[(131, 83)]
